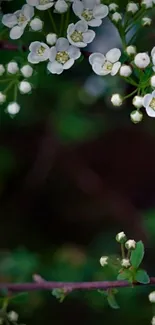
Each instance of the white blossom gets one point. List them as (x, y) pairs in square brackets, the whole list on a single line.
[(2, 98), (125, 70), (39, 52), (131, 50), (130, 244), (152, 81), (36, 24), (2, 69), (125, 262), (79, 35), (90, 11), (106, 64), (13, 316), (41, 4), (116, 100), (27, 71), (137, 101), (13, 108), (61, 6), (12, 67), (132, 7), (149, 104), (116, 17), (153, 58), (51, 38), (152, 297), (18, 21), (153, 320), (24, 87), (136, 116), (113, 6), (142, 60), (104, 260), (146, 21), (147, 3), (121, 237), (62, 56)]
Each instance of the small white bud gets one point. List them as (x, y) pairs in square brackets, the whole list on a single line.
[(12, 67), (24, 87), (51, 38), (125, 70), (125, 262), (152, 297), (131, 50), (136, 116), (153, 320), (36, 24), (121, 237), (137, 101), (104, 260), (152, 81), (116, 100), (26, 71), (146, 21), (2, 69), (61, 6), (147, 3), (13, 316), (130, 244), (116, 17), (13, 108), (2, 98), (142, 60), (113, 6), (132, 7)]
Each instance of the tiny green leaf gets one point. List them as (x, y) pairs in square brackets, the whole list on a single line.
[(112, 300), (124, 275), (142, 277), (60, 294), (137, 255)]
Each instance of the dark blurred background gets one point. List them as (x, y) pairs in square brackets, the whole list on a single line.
[(74, 171)]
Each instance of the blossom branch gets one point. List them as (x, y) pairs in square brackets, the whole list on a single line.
[(69, 286)]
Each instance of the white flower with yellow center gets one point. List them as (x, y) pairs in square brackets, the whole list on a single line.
[(39, 52), (41, 4), (106, 64), (62, 56), (18, 21), (149, 104), (90, 11), (79, 35)]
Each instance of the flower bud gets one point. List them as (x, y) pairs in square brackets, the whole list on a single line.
[(152, 81), (125, 70), (2, 98), (12, 316), (36, 24), (121, 237), (132, 7), (116, 17), (13, 108), (137, 101), (142, 60), (131, 50), (26, 71), (51, 38), (153, 320), (146, 21), (24, 87), (147, 3), (2, 69), (12, 67), (125, 262), (130, 244), (136, 116), (116, 100), (152, 297), (113, 6), (61, 6), (104, 260)]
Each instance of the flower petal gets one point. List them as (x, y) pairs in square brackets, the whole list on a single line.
[(115, 68), (153, 51), (150, 112), (81, 26), (74, 52), (97, 58), (45, 6), (68, 64), (33, 58), (62, 44), (55, 67), (113, 55), (77, 7), (100, 11), (16, 32), (53, 53), (28, 11), (88, 36), (146, 100), (71, 29), (89, 4), (9, 20), (98, 69), (94, 22), (34, 46), (33, 2)]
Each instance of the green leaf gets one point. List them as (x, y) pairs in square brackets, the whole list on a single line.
[(112, 300), (137, 255), (125, 275), (20, 298), (142, 277)]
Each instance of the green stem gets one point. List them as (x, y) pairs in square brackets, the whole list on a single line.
[(9, 86), (135, 91), (62, 24), (53, 22), (67, 18), (15, 92), (122, 251)]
